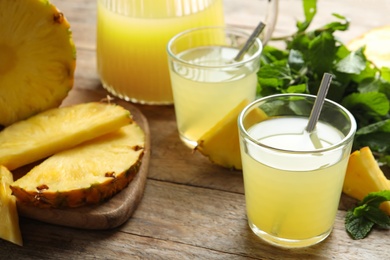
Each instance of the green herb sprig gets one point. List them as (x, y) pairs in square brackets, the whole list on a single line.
[(358, 84), (360, 220)]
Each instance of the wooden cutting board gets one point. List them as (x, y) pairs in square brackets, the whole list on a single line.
[(116, 210)]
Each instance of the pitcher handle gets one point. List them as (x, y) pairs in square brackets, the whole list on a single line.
[(270, 20)]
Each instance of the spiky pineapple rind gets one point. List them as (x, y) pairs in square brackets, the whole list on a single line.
[(92, 195)]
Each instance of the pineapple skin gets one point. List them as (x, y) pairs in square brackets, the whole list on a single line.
[(95, 194), (39, 59)]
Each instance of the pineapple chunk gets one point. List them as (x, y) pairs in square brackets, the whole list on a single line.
[(37, 58), (364, 176), (9, 225), (221, 143), (58, 129), (86, 174)]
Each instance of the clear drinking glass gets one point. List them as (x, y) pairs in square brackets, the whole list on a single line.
[(293, 180), (131, 43), (206, 81)]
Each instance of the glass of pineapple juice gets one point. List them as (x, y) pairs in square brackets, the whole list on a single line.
[(293, 180), (206, 81), (131, 43)]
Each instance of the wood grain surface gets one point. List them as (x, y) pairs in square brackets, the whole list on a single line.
[(191, 209)]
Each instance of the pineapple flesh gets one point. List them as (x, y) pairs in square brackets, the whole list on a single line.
[(58, 129), (9, 224), (364, 175), (37, 58), (86, 174), (221, 143)]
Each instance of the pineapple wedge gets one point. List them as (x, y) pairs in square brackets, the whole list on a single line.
[(37, 58), (86, 174), (58, 129), (9, 225), (221, 143), (364, 176)]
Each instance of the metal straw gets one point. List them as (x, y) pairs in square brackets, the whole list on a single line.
[(250, 41), (319, 102)]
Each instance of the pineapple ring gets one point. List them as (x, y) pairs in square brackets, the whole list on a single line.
[(38, 58)]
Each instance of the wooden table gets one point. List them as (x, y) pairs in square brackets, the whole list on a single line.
[(191, 209)]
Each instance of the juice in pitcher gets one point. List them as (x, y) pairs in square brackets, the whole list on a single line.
[(131, 43)]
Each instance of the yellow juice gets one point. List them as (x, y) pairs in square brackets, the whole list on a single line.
[(292, 200), (203, 97), (131, 44)]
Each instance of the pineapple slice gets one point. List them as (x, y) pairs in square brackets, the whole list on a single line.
[(9, 225), (86, 174), (221, 143), (364, 176), (58, 129), (38, 58), (376, 42)]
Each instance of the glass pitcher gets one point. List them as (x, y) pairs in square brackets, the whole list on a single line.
[(131, 43)]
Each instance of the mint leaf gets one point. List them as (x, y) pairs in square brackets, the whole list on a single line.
[(385, 73), (379, 141), (357, 227), (358, 85), (354, 63), (342, 25), (371, 103), (377, 216), (322, 52), (360, 220), (376, 198), (375, 127), (295, 60), (310, 10)]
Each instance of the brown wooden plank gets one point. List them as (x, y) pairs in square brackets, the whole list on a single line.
[(191, 209), (175, 221), (216, 220), (44, 241)]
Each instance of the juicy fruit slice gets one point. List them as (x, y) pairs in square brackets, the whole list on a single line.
[(221, 143), (9, 224), (86, 174), (377, 42), (58, 129), (38, 58), (364, 176)]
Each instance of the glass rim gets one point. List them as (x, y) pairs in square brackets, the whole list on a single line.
[(346, 138), (230, 29)]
